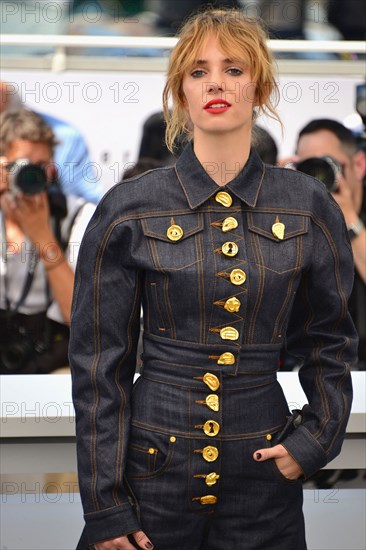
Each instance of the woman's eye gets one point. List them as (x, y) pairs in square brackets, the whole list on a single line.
[(235, 72), (197, 73)]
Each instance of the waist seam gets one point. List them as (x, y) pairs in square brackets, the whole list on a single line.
[(203, 437)]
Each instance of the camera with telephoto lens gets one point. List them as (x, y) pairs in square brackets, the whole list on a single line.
[(30, 179), (326, 169), (25, 177)]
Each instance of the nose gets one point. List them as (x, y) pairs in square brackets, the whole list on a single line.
[(214, 87)]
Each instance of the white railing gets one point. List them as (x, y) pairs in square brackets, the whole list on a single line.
[(167, 43)]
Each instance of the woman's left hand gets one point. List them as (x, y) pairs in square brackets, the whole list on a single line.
[(288, 467)]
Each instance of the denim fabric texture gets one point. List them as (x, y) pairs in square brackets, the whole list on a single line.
[(173, 453)]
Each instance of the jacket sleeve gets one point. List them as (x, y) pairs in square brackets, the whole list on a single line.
[(322, 335), (103, 344)]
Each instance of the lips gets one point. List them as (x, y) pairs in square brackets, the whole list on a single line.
[(217, 104)]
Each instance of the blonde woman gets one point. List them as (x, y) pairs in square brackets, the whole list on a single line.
[(230, 259)]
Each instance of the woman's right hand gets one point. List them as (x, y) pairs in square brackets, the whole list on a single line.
[(122, 543)]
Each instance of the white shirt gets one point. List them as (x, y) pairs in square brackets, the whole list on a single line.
[(14, 263)]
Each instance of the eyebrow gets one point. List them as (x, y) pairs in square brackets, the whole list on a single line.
[(224, 61)]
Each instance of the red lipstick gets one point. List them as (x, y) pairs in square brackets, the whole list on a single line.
[(217, 106)]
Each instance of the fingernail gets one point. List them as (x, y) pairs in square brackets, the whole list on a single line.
[(149, 545), (258, 456)]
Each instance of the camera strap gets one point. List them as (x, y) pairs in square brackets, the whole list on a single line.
[(32, 265)]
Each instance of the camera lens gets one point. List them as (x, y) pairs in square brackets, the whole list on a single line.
[(31, 179), (324, 169)]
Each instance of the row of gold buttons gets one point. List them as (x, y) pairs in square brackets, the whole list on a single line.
[(237, 276), (211, 428)]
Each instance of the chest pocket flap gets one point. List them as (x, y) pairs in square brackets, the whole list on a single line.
[(173, 240), (277, 239), (263, 223)]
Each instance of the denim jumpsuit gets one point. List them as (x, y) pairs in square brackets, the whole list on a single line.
[(226, 277)]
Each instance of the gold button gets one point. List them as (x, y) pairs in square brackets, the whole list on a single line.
[(207, 499), (238, 277), (229, 224), (268, 437), (212, 402), (230, 249), (229, 333), (224, 198), (210, 454), (278, 229), (151, 451), (173, 439), (174, 233), (211, 479), (211, 428), (211, 381), (232, 305), (226, 358)]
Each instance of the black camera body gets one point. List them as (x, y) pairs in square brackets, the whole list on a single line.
[(31, 179), (25, 177), (326, 169), (17, 352)]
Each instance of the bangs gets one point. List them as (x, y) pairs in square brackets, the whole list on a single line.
[(242, 39)]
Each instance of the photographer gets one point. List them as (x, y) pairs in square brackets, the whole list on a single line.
[(40, 232), (330, 139), (71, 155)]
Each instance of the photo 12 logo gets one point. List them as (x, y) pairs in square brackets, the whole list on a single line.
[(29, 11), (72, 92)]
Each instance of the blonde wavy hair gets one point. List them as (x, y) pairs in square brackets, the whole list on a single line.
[(240, 37)]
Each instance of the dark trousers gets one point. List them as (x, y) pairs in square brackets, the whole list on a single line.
[(190, 468), (172, 475)]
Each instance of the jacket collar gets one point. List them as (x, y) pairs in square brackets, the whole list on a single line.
[(198, 186)]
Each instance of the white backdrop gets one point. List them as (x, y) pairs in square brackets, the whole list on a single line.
[(110, 107)]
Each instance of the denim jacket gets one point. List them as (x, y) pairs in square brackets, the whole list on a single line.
[(265, 257)]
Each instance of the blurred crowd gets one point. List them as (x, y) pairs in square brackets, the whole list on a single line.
[(286, 19)]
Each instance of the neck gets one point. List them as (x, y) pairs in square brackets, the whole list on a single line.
[(223, 156)]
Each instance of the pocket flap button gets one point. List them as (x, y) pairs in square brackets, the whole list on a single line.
[(174, 233)]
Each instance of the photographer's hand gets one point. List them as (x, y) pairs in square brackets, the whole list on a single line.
[(343, 197), (32, 215)]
